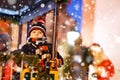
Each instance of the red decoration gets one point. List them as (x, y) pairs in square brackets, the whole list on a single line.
[(7, 71), (4, 26), (43, 48), (109, 68)]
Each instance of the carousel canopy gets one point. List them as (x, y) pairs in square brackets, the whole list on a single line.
[(25, 10)]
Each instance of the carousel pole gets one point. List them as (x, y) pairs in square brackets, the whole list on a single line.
[(54, 60), (1, 72), (53, 69), (54, 32), (21, 75), (11, 72)]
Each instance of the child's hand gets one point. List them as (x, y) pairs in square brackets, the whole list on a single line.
[(102, 71), (16, 68), (38, 51)]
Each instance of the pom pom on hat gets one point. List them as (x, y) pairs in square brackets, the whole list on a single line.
[(37, 26), (40, 19)]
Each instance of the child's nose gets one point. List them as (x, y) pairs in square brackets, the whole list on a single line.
[(37, 34)]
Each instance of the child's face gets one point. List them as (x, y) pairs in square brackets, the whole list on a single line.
[(36, 34)]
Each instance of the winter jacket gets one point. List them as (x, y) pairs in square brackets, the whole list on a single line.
[(46, 48)]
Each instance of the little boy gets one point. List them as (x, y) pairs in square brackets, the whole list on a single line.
[(37, 44)]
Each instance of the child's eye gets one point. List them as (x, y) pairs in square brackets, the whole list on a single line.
[(34, 31), (40, 32)]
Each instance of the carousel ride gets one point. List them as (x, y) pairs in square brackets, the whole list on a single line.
[(15, 65)]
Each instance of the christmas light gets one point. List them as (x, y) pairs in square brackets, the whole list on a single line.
[(72, 36), (77, 58)]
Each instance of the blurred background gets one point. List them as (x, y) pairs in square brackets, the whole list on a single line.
[(95, 20)]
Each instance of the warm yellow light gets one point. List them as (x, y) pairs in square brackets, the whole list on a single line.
[(72, 36)]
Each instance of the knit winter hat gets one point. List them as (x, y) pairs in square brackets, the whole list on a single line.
[(37, 26)]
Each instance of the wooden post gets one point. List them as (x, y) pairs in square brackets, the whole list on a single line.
[(21, 75), (1, 72)]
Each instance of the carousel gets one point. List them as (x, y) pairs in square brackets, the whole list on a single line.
[(16, 18)]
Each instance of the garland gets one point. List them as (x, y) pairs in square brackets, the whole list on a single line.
[(4, 58), (10, 18), (32, 61)]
